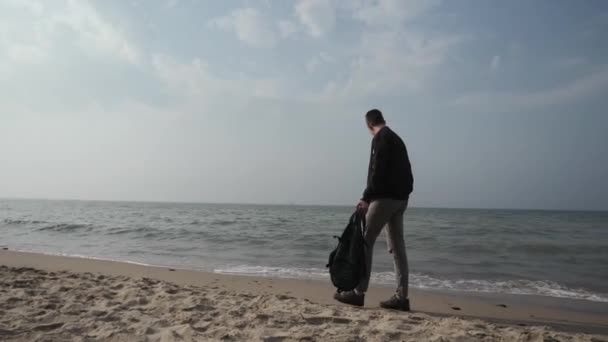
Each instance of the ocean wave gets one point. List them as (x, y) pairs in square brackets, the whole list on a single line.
[(519, 287), (165, 219), (220, 223), (223, 222), (130, 230), (20, 222), (49, 226), (279, 272), (66, 227), (553, 249)]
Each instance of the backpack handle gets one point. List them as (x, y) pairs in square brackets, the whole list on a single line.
[(357, 217)]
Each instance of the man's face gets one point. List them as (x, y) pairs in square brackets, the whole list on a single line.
[(369, 127)]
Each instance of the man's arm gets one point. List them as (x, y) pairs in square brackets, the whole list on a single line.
[(379, 167)]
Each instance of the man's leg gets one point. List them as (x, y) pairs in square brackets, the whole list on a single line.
[(396, 246), (378, 215)]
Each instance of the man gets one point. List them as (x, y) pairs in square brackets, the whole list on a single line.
[(389, 184)]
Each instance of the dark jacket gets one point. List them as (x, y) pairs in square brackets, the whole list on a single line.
[(390, 173)]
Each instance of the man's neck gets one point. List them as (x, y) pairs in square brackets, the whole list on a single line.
[(377, 129)]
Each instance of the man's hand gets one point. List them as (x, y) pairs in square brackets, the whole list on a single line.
[(363, 206)]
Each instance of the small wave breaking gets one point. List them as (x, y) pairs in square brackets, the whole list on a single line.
[(22, 222), (518, 287), (66, 227), (41, 226)]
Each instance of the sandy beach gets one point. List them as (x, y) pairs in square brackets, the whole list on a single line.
[(52, 298)]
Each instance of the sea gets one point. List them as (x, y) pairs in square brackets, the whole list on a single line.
[(544, 253)]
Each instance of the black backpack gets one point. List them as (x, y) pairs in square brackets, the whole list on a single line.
[(347, 261)]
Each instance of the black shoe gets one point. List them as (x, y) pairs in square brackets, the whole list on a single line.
[(396, 303), (350, 297)]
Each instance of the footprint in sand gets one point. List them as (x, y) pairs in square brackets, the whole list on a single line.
[(550, 339), (283, 297), (306, 338), (6, 332), (171, 291), (415, 320), (50, 306), (274, 339), (319, 320), (13, 300), (48, 327), (117, 287), (404, 327)]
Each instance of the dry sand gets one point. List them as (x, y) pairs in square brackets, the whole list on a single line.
[(47, 298)]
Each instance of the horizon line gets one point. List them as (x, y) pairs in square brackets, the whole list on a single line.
[(289, 204)]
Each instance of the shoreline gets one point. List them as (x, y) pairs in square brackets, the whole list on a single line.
[(568, 300), (567, 315)]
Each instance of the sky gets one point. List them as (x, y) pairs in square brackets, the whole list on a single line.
[(502, 104)]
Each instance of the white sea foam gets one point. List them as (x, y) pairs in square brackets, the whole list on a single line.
[(521, 287)]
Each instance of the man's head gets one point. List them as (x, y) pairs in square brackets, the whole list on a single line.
[(375, 121)]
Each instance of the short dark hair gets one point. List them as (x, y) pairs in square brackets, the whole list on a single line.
[(374, 118)]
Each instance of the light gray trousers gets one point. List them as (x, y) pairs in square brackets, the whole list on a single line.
[(389, 213)]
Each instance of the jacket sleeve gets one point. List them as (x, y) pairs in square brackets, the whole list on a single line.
[(378, 170)]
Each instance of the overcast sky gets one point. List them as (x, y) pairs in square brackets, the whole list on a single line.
[(502, 104)]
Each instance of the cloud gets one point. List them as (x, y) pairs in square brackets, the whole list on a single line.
[(97, 34), (495, 63), (194, 81), (38, 32), (388, 57), (569, 92), (316, 61), (34, 6), (250, 27), (23, 53), (64, 55), (317, 15), (172, 3), (390, 62), (570, 62), (383, 13), (286, 28)]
